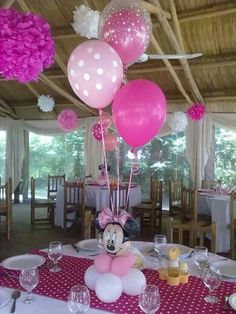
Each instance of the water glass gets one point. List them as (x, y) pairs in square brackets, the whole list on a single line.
[(160, 244), (211, 279), (29, 278), (149, 299), (200, 258), (79, 299), (55, 254)]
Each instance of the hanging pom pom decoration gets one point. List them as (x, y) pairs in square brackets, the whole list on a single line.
[(178, 122), (67, 120), (196, 112), (26, 45), (97, 131), (45, 103), (86, 22)]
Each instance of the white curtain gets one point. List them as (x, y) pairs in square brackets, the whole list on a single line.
[(198, 141), (225, 120), (15, 149)]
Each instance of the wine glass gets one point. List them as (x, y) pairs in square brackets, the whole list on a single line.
[(29, 278), (55, 253), (211, 279), (160, 244), (149, 299), (79, 299), (200, 258)]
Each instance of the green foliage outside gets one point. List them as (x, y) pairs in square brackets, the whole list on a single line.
[(225, 156), (2, 154)]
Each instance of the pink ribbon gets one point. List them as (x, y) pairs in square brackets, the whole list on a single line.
[(106, 216)]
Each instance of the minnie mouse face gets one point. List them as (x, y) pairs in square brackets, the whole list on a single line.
[(113, 240)]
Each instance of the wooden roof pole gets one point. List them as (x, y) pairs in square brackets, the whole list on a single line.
[(172, 39), (171, 70), (8, 4), (152, 9), (6, 108)]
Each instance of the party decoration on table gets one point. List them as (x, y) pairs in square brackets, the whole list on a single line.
[(112, 272), (95, 73), (67, 120), (139, 111), (26, 45), (178, 122), (97, 131), (173, 271), (45, 103), (196, 112), (110, 141), (86, 22), (127, 27)]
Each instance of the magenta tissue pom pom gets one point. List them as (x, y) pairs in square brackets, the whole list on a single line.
[(26, 45), (67, 120), (196, 111)]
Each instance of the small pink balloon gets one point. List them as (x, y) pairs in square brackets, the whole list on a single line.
[(110, 141), (95, 73), (120, 266), (102, 263), (139, 111), (105, 119), (97, 131), (127, 27)]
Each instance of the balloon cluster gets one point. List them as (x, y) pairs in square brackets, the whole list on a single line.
[(95, 72)]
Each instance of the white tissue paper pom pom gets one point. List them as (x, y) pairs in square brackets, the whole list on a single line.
[(86, 22), (46, 103), (178, 122)]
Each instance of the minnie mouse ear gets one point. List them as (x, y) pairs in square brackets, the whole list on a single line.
[(131, 228)]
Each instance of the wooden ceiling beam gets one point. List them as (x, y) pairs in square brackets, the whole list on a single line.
[(7, 109), (8, 4), (174, 42), (152, 9)]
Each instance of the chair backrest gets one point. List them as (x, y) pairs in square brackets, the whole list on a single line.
[(6, 194), (153, 183), (232, 223), (175, 192), (119, 197), (157, 193), (195, 231), (74, 194), (189, 201), (32, 189), (210, 184), (53, 183)]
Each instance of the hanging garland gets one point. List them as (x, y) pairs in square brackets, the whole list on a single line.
[(45, 103), (178, 122), (67, 120)]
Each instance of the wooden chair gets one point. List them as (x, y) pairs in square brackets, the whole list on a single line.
[(41, 203), (53, 183), (153, 181), (195, 231), (210, 184), (175, 197), (6, 206), (151, 214), (74, 208), (233, 225), (119, 197)]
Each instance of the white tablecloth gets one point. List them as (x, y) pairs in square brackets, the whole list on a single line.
[(45, 305), (218, 207), (95, 196)]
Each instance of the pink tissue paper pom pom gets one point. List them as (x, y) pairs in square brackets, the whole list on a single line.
[(196, 111), (26, 45), (67, 120)]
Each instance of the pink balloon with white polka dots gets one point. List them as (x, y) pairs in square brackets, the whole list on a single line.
[(95, 73)]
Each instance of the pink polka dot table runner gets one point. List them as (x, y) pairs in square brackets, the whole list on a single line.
[(185, 298)]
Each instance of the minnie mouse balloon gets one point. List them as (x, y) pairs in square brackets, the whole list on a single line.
[(127, 27), (139, 111), (95, 73)]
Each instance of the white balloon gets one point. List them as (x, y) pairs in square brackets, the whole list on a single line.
[(90, 277), (133, 281), (108, 288)]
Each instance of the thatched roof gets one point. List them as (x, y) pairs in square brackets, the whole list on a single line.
[(179, 26)]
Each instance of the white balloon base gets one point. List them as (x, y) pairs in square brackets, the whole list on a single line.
[(109, 287)]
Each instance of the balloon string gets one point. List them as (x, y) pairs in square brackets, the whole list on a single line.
[(131, 175), (105, 158), (118, 178)]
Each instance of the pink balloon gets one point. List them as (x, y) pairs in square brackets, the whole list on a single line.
[(102, 263), (127, 27), (97, 131), (139, 111), (110, 141), (120, 266), (95, 73), (105, 119)]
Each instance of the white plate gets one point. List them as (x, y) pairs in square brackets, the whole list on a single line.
[(232, 301), (4, 298), (227, 268), (149, 250), (89, 245), (23, 261)]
